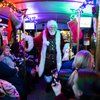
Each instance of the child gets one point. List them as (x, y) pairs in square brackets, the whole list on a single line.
[(7, 58)]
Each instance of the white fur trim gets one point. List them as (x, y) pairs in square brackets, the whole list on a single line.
[(29, 39), (58, 43), (43, 53)]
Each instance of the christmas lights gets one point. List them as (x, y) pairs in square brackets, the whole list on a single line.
[(5, 3), (75, 12)]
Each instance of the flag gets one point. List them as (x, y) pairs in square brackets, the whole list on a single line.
[(73, 28)]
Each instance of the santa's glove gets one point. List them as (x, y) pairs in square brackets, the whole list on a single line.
[(46, 43)]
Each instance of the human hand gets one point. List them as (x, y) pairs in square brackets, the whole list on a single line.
[(33, 72), (17, 69), (2, 92), (46, 43), (37, 68), (57, 88)]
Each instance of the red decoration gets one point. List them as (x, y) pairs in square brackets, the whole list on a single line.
[(73, 27), (9, 28)]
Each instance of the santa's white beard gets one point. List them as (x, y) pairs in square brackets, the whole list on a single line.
[(52, 32)]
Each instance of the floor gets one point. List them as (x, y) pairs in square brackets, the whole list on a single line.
[(39, 93)]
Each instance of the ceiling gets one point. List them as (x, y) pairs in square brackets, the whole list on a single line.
[(43, 10)]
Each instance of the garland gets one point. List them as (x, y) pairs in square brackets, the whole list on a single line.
[(75, 12), (5, 3)]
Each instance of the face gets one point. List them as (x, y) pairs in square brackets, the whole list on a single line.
[(52, 29), (7, 51)]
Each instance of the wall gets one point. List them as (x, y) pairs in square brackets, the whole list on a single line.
[(42, 26)]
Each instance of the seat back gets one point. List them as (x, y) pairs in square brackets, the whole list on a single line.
[(89, 82)]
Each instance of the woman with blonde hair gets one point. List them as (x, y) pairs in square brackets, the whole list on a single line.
[(83, 62), (84, 80), (83, 59)]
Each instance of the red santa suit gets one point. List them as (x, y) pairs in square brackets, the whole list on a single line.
[(42, 43)]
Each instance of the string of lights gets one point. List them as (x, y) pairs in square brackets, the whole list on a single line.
[(75, 12), (5, 3)]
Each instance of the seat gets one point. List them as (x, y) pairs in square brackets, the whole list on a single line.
[(88, 82)]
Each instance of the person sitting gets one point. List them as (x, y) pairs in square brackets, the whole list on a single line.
[(83, 61), (7, 57), (7, 90), (68, 58), (84, 65), (10, 74)]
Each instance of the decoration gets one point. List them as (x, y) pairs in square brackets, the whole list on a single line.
[(0, 20), (73, 27), (77, 34), (16, 22), (5, 3), (66, 35), (9, 29), (75, 12)]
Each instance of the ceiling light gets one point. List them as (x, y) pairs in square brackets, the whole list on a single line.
[(0, 20)]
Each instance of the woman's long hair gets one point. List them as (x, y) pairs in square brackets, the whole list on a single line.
[(83, 60)]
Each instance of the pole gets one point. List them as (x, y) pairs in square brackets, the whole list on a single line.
[(98, 42), (70, 46), (25, 73), (78, 30)]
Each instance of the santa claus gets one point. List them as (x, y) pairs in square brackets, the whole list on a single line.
[(49, 45)]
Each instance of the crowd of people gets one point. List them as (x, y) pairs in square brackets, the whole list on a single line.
[(40, 58)]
